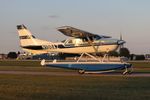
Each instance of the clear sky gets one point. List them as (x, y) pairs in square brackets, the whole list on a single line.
[(106, 17)]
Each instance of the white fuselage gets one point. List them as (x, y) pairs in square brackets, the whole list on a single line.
[(76, 50), (71, 45), (87, 49)]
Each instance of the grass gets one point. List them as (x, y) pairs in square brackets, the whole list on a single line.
[(25, 87), (27, 66), (24, 63), (30, 65), (30, 87), (142, 65)]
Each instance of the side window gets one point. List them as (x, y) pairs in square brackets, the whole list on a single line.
[(70, 41)]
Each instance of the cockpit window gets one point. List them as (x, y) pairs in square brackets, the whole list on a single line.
[(74, 42), (70, 41), (96, 37), (108, 41)]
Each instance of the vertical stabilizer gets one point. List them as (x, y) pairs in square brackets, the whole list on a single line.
[(26, 38), (29, 43)]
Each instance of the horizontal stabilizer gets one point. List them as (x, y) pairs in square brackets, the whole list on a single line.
[(21, 27)]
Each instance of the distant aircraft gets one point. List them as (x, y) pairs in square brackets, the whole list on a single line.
[(80, 42)]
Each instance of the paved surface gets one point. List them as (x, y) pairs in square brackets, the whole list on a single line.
[(40, 73), (72, 74)]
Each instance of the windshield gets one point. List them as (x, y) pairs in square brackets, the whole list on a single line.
[(108, 41)]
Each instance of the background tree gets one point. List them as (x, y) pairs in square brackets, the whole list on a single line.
[(140, 57), (132, 56), (124, 52), (12, 55)]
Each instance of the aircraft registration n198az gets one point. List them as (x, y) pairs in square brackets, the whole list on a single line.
[(80, 42)]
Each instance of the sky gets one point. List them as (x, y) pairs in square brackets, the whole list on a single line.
[(131, 18)]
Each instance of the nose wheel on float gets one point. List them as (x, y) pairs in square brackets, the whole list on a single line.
[(128, 70), (81, 71)]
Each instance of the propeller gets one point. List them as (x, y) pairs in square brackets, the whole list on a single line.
[(121, 42)]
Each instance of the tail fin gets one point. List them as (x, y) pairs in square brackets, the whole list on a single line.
[(26, 38), (29, 43)]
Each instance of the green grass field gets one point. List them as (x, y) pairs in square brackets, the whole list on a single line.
[(33, 66), (25, 87), (42, 87)]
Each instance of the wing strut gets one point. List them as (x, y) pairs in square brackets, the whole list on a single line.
[(89, 56), (91, 43)]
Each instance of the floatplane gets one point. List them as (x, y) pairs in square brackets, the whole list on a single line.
[(80, 42)]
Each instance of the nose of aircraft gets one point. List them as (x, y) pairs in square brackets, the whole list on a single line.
[(120, 42)]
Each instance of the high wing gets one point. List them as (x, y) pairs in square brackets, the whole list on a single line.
[(77, 33)]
